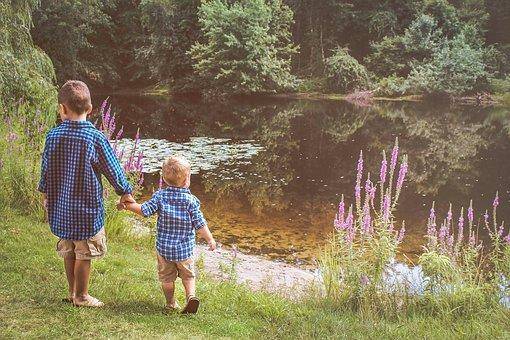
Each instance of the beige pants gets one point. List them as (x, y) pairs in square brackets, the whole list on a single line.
[(92, 248), (169, 270)]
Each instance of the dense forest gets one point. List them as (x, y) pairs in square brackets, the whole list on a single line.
[(393, 47)]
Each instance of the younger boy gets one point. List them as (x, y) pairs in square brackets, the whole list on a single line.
[(179, 216), (75, 156)]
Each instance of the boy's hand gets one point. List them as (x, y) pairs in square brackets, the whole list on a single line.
[(121, 206), (212, 245), (127, 198)]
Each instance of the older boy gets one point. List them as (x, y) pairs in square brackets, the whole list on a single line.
[(75, 156), (179, 216)]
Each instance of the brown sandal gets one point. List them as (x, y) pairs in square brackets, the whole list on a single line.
[(192, 306)]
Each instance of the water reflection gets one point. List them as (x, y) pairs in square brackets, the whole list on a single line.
[(282, 200)]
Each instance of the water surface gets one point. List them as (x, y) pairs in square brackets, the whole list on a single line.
[(270, 172)]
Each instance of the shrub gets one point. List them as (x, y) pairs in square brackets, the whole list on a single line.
[(22, 131), (454, 69), (344, 73), (392, 86)]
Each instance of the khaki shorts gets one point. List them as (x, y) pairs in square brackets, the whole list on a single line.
[(169, 270), (92, 248)]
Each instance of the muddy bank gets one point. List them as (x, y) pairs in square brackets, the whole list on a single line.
[(256, 272)]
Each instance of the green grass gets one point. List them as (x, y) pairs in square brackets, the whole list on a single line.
[(32, 283)]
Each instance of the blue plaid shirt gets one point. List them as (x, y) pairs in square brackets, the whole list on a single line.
[(75, 155), (179, 216)]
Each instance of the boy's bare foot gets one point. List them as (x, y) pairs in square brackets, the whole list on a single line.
[(191, 306), (87, 301)]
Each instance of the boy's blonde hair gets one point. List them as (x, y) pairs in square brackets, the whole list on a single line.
[(176, 170)]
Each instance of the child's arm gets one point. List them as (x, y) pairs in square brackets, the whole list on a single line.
[(205, 233), (44, 168), (111, 168), (200, 224), (134, 207)]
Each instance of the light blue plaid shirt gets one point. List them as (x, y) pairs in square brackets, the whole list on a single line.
[(179, 216), (75, 155)]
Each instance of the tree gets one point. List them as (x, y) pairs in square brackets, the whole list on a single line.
[(171, 27), (26, 73), (344, 73), (246, 46)]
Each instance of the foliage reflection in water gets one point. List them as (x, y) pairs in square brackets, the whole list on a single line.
[(278, 193)]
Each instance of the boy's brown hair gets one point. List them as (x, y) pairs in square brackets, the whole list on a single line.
[(176, 170), (76, 96)]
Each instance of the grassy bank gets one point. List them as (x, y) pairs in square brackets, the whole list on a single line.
[(32, 284)]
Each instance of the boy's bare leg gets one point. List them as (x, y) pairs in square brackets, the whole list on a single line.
[(168, 290), (69, 263), (189, 287), (81, 279)]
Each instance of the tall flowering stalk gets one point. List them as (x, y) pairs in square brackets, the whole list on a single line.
[(365, 240), (451, 259), (133, 165)]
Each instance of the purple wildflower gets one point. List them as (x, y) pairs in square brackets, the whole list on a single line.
[(367, 219), (501, 229), (507, 238), (349, 226), (495, 203), (11, 137), (450, 242), (341, 211), (431, 226), (386, 208), (357, 189), (460, 230), (160, 181), (364, 280), (120, 133), (472, 240), (401, 175), (486, 218), (140, 180), (394, 156), (442, 233), (384, 166), (470, 213)]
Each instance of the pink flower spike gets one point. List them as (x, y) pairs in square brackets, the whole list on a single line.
[(386, 208), (341, 211), (495, 203), (160, 181), (394, 156), (120, 133), (384, 169), (501, 229), (470, 213), (460, 230), (507, 239), (401, 175), (486, 217)]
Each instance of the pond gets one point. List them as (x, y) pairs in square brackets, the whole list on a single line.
[(270, 172)]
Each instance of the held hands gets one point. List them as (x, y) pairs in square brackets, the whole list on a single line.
[(125, 199)]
